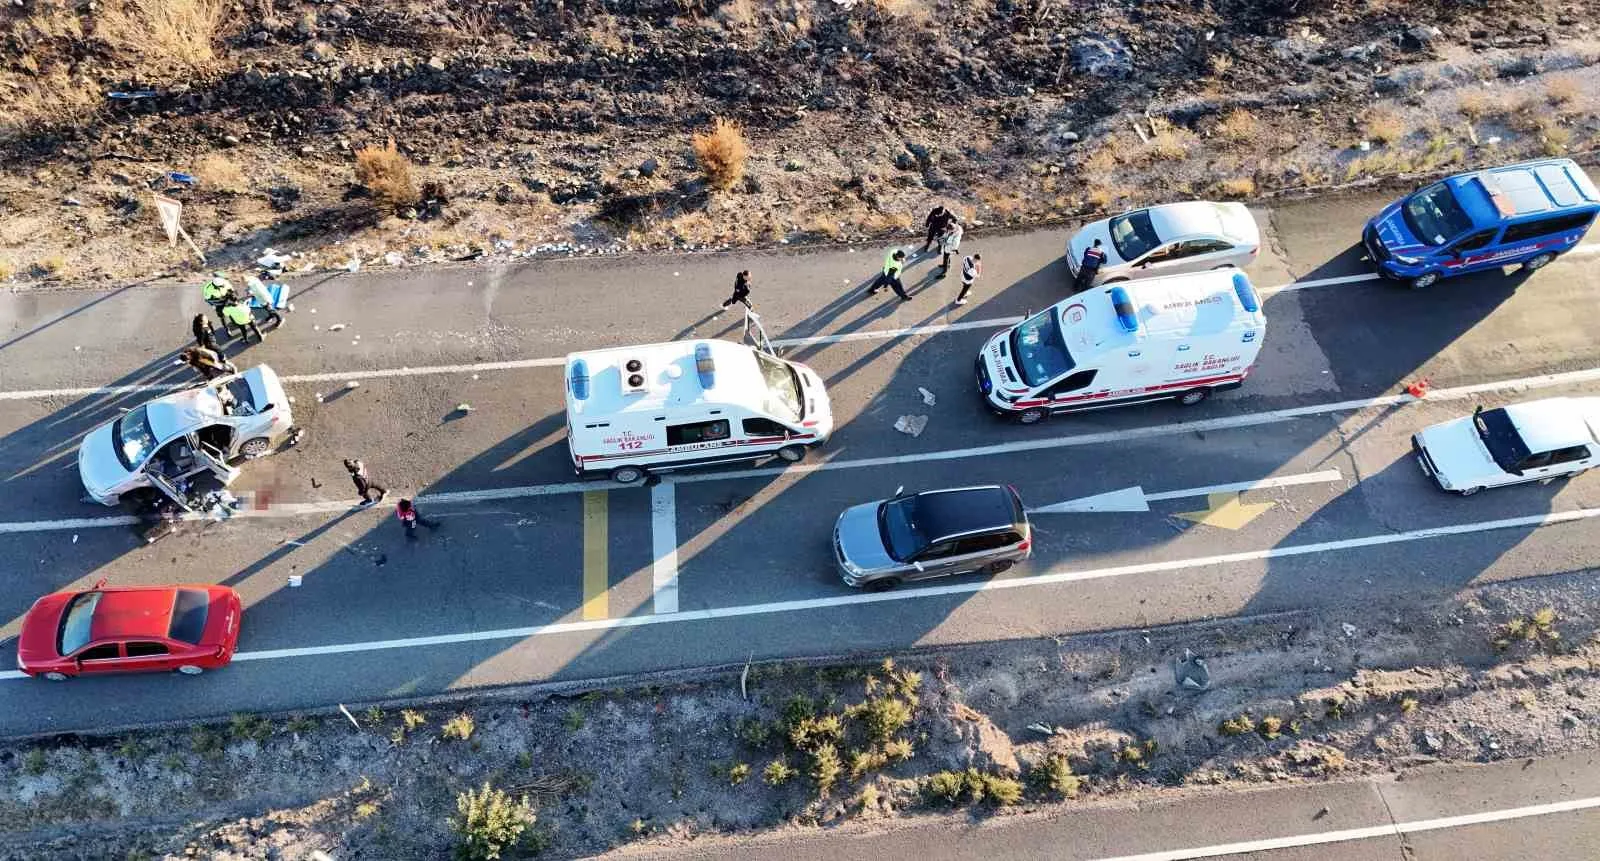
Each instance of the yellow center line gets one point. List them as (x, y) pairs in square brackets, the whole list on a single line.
[(596, 572)]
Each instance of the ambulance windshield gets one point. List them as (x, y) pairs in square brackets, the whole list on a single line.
[(783, 387), (1040, 351)]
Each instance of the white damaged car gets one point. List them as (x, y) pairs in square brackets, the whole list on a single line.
[(173, 443), (1169, 239), (1536, 441)]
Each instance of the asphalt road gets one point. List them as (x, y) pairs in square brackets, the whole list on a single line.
[(506, 593)]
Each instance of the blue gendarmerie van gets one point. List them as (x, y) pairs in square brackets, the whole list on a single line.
[(1518, 214)]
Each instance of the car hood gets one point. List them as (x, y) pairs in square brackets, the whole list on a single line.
[(97, 462), (858, 539), (1393, 232), (1086, 236), (36, 642), (1458, 455)]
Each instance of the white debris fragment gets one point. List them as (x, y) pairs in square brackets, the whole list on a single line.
[(927, 396), (1493, 141), (336, 327), (352, 385), (316, 328), (313, 310), (676, 274), (474, 376), (355, 343), (1364, 146), (469, 283), (295, 580), (1349, 629), (463, 408), (319, 397), (291, 399), (353, 265), (77, 349), (394, 258), (912, 425), (74, 538)]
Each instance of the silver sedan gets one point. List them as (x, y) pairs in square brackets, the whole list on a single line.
[(1167, 240)]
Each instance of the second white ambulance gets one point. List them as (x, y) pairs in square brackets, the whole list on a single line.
[(632, 411), (1180, 337)]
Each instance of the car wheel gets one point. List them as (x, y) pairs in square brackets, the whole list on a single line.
[(1538, 263), (1000, 567), (1193, 396), (255, 447), (191, 670), (883, 585), (627, 475), (1424, 281), (1032, 416), (1468, 491), (792, 453), (56, 677)]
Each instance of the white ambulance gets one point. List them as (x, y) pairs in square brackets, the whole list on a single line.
[(1179, 337), (632, 411)]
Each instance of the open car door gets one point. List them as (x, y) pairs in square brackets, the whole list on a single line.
[(168, 489), (216, 461)]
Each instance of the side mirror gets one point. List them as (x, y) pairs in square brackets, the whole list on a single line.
[(899, 490), (268, 408), (101, 583), (1478, 409)]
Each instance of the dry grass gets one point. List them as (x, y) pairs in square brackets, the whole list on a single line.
[(1219, 64), (1239, 126), (54, 99), (1385, 126), (823, 225), (7, 268), (219, 173), (53, 266), (909, 11), (168, 37), (1170, 144), (386, 174), (737, 13), (1562, 90), (1002, 203), (1104, 197), (1476, 104), (722, 152), (1239, 186), (886, 222)]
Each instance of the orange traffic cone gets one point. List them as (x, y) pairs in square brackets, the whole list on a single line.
[(1419, 389)]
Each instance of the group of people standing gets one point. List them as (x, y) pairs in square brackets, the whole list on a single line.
[(233, 312), (945, 229)]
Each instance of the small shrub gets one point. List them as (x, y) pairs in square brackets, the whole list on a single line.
[(1239, 126), (1054, 775), (881, 717), (1241, 725), (247, 726), (1271, 727), (132, 748), (811, 732), (385, 173), (7, 269), (1526, 700), (1001, 791), (1473, 105), (825, 767), (167, 36), (898, 749), (458, 728), (488, 822), (1239, 186), (753, 732), (573, 720), (777, 773), (798, 708), (299, 724), (206, 741), (869, 798), (639, 827), (721, 152), (375, 715), (1408, 705), (1561, 90), (219, 173), (54, 265), (907, 684), (411, 719), (1385, 126), (946, 786), (1169, 145), (864, 761), (738, 773), (34, 761), (1219, 64), (365, 809)]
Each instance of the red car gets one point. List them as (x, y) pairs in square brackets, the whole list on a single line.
[(130, 629)]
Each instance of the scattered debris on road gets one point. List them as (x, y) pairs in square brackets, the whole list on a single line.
[(912, 425)]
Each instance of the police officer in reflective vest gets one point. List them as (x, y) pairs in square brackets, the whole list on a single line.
[(218, 293), (237, 313)]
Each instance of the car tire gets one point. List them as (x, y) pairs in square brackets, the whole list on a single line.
[(54, 677), (999, 567), (1032, 416), (629, 474), (1537, 263), (792, 453), (254, 448), (191, 670), (883, 585), (1192, 397), (1468, 491), (1423, 281)]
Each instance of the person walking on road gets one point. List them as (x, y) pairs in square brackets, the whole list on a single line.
[(971, 268), (937, 221), (893, 265), (263, 297), (363, 482), (218, 292), (237, 313), (409, 517), (949, 243), (205, 334), (1093, 258), (208, 363), (741, 292)]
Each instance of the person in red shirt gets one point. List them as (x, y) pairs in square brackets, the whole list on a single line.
[(410, 517)]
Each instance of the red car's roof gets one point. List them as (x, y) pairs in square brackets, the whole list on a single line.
[(124, 614)]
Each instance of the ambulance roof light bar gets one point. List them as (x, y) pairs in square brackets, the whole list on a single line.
[(1122, 303)]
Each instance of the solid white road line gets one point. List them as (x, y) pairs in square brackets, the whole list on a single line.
[(1137, 499), (1395, 829), (970, 588), (664, 544), (1245, 420), (556, 362), (1322, 477)]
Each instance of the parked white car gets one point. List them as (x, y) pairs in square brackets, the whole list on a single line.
[(1169, 239), (167, 444), (1536, 441)]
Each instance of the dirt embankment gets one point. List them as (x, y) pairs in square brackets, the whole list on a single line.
[(564, 127), (1500, 672)]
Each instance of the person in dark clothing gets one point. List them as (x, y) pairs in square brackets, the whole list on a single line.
[(409, 517), (363, 482), (893, 265), (209, 364), (937, 222), (741, 292), (1093, 257), (205, 334)]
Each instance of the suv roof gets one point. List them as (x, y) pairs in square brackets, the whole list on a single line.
[(957, 511), (1530, 188)]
